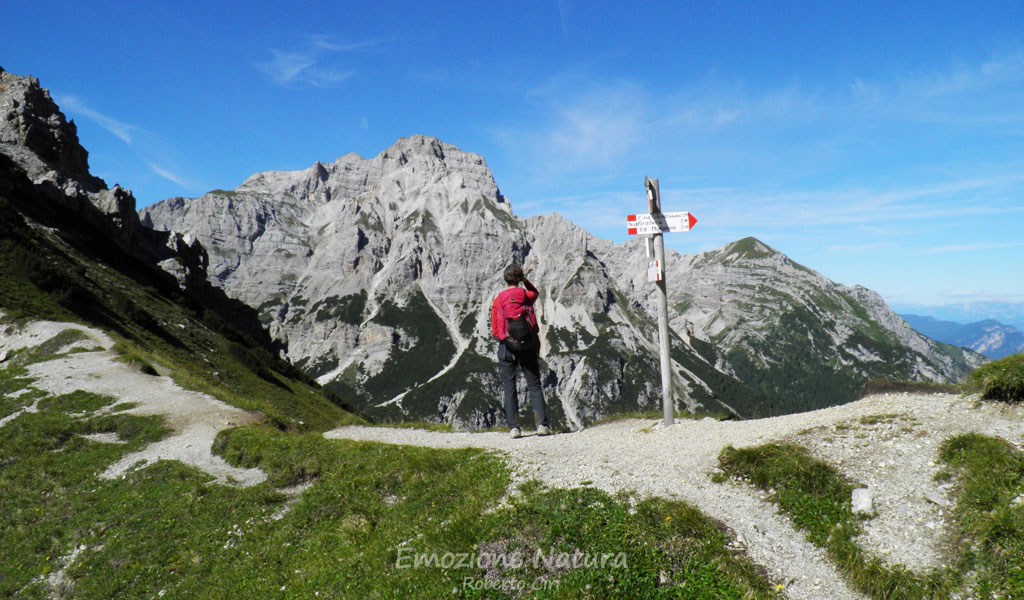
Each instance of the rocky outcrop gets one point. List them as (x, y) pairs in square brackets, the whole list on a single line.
[(44, 172), (378, 273), (43, 144)]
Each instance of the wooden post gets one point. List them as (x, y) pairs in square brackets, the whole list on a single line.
[(654, 207)]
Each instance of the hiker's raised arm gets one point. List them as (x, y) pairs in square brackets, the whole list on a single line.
[(531, 291)]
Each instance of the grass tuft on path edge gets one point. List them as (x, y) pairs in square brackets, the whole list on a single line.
[(989, 516)]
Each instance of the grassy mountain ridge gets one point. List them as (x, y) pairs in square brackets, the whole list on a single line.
[(799, 340), (48, 273)]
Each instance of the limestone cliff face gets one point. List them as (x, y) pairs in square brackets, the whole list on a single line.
[(44, 173), (40, 142), (377, 276)]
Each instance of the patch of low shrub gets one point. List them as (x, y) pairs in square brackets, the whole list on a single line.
[(1000, 380)]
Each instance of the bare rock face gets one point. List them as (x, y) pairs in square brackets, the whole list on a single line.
[(32, 120), (377, 275), (37, 138), (44, 174), (38, 144)]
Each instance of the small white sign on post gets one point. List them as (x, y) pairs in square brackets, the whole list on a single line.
[(654, 272)]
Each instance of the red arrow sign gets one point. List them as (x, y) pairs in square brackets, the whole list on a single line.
[(660, 223)]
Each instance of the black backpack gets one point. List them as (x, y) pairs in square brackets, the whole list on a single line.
[(521, 336)]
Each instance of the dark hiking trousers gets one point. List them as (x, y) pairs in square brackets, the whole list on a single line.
[(507, 362)]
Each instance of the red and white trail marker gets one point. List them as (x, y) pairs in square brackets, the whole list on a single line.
[(673, 222)]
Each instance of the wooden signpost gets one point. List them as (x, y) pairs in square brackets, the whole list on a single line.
[(653, 225)]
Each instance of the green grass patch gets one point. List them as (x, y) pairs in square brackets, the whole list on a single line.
[(77, 402), (1000, 380), (423, 425), (646, 415), (816, 498), (888, 418), (13, 379), (990, 524), (15, 390), (135, 358)]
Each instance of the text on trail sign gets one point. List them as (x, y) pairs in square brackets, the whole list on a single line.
[(660, 223)]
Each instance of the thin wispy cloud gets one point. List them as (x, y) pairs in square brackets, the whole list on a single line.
[(861, 206), (315, 63), (973, 247), (324, 42), (76, 106), (981, 94), (563, 11), (171, 176), (589, 127), (578, 121), (713, 105), (146, 146)]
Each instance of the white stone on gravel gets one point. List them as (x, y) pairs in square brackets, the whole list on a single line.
[(936, 498), (862, 501)]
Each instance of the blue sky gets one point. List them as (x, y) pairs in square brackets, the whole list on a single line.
[(881, 144)]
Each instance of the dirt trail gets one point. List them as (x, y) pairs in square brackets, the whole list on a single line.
[(195, 418)]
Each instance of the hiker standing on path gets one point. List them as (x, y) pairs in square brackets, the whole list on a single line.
[(514, 323)]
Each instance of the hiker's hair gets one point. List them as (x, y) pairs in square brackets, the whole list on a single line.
[(513, 274)]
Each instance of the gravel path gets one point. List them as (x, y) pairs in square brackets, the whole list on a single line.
[(195, 418), (885, 442)]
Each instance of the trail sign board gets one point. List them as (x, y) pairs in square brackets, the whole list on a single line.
[(672, 222)]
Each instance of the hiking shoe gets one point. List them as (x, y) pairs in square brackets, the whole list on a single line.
[(542, 430), (516, 434)]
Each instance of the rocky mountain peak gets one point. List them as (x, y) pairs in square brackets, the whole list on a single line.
[(42, 145), (409, 172), (417, 146), (32, 124), (746, 249)]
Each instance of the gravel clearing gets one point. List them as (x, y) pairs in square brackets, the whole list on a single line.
[(888, 443), (195, 418)]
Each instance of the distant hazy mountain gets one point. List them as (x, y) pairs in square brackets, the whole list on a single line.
[(1007, 313), (989, 337), (377, 276)]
